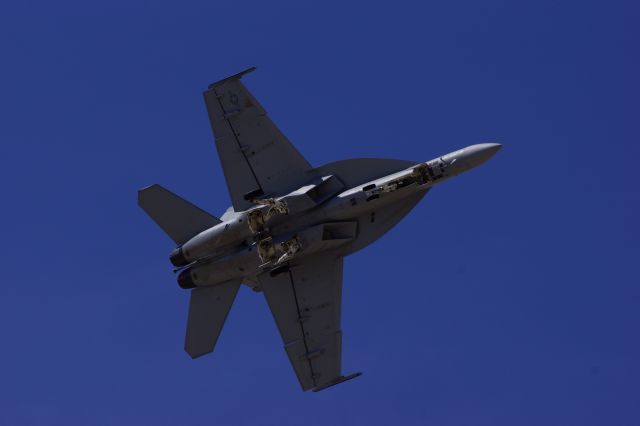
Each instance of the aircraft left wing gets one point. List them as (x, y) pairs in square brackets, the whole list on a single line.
[(257, 158), (305, 302)]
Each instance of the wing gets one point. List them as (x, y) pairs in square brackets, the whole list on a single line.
[(305, 303), (257, 159)]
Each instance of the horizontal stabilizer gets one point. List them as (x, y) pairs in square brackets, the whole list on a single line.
[(208, 310), (180, 219)]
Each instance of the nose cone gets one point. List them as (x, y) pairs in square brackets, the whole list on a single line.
[(478, 154), (472, 156)]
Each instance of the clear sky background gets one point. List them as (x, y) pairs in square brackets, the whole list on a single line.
[(509, 296)]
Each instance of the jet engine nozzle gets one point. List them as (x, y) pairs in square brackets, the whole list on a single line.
[(177, 258), (185, 281)]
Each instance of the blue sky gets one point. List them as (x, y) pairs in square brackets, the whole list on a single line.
[(508, 296)]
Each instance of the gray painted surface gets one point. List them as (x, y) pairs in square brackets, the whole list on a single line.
[(356, 171), (208, 310), (177, 217), (255, 154), (305, 302), (288, 230)]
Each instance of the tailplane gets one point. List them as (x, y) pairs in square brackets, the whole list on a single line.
[(208, 310), (180, 219)]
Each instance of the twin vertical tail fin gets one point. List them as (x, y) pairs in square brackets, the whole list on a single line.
[(209, 306)]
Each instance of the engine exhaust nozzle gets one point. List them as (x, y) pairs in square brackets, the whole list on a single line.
[(185, 281), (177, 258)]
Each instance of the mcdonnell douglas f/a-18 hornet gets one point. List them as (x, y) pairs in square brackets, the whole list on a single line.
[(288, 229)]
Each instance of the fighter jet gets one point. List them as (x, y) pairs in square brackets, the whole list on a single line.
[(288, 230)]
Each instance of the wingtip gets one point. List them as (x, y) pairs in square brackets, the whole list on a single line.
[(339, 380), (147, 187), (197, 353), (232, 77)]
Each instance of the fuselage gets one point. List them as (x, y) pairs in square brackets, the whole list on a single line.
[(319, 216)]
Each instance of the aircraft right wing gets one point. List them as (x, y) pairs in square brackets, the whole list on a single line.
[(305, 302), (257, 159)]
